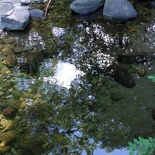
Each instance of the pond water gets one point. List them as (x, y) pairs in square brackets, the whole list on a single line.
[(79, 84)]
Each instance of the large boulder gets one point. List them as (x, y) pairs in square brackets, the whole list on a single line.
[(16, 19), (5, 7), (84, 7), (119, 10)]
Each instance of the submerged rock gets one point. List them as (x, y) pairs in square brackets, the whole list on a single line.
[(122, 76), (5, 149), (119, 10), (153, 113), (115, 96), (134, 58), (9, 112), (110, 67), (84, 7)]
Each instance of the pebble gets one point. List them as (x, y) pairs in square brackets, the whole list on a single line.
[(1, 93)]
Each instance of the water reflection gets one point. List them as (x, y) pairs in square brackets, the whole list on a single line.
[(99, 151), (58, 32), (64, 74), (71, 106)]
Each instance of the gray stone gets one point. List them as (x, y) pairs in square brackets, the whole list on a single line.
[(120, 10), (83, 7), (35, 13), (5, 7), (16, 19), (25, 2)]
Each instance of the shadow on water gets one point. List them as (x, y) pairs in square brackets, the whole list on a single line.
[(81, 85)]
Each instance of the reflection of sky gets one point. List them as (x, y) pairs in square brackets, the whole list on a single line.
[(103, 152), (57, 32), (64, 74)]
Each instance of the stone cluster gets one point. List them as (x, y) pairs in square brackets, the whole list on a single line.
[(15, 15), (118, 10)]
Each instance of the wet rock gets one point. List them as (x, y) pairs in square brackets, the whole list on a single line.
[(137, 58), (25, 2), (115, 96), (141, 72), (119, 10), (23, 104), (4, 123), (9, 112), (7, 137), (27, 48), (15, 104), (5, 149), (23, 122), (153, 3), (7, 51), (16, 19), (153, 113), (12, 124), (14, 152), (21, 112), (10, 40), (84, 7), (122, 76), (5, 7), (2, 104), (35, 13), (1, 93), (10, 61)]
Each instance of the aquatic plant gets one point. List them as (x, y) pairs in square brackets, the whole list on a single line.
[(151, 77), (141, 146)]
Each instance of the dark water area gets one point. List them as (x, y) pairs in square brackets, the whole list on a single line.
[(79, 83)]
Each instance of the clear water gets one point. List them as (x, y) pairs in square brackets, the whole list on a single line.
[(74, 101)]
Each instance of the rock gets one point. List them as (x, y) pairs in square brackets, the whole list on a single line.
[(25, 2), (4, 123), (35, 13), (153, 3), (14, 152), (122, 76), (119, 10), (1, 93), (5, 149), (11, 125), (84, 7), (7, 137), (141, 72), (109, 66), (153, 113), (16, 19), (9, 112), (10, 61), (115, 96), (5, 7), (134, 58)]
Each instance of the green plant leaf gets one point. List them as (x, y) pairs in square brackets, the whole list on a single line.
[(151, 77), (153, 80), (150, 139), (130, 144), (140, 138), (132, 152), (136, 141)]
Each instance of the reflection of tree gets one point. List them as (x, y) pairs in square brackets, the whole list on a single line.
[(69, 121)]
